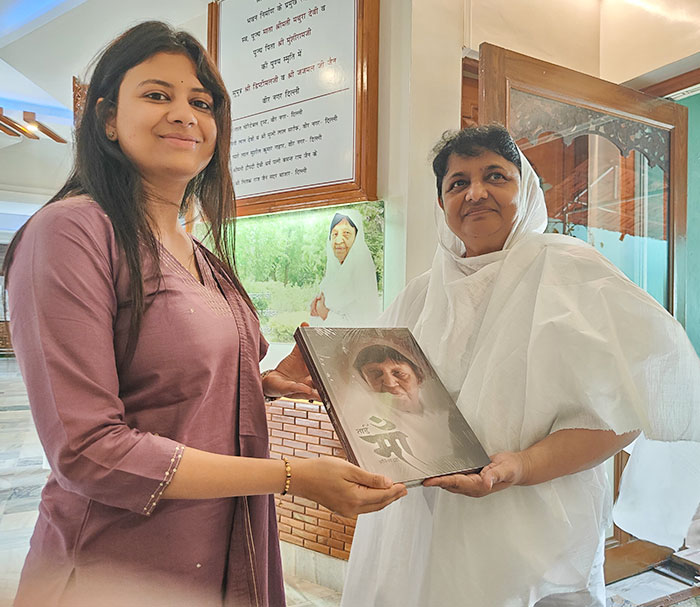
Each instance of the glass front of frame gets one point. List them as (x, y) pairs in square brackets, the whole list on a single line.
[(605, 180), (285, 259)]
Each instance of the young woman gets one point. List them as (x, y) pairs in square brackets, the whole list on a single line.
[(139, 349)]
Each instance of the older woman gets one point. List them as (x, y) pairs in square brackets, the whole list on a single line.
[(348, 295), (557, 361)]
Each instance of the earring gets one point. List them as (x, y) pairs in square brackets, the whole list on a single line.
[(111, 135)]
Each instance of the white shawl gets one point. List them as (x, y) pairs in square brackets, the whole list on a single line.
[(541, 336), (350, 288)]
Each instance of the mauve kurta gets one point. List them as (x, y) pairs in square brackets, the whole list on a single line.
[(114, 434)]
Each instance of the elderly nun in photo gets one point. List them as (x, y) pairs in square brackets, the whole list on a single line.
[(348, 295), (557, 361)]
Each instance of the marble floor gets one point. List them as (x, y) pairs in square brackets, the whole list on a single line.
[(22, 475)]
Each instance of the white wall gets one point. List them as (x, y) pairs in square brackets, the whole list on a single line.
[(419, 98), (638, 36), (566, 32)]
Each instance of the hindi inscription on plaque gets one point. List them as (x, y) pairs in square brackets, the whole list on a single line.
[(291, 68)]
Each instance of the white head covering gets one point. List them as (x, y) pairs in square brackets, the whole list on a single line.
[(350, 288)]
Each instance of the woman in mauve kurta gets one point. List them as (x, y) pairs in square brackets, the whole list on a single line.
[(140, 351), (114, 437)]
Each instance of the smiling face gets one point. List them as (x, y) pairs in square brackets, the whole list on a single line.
[(164, 121), (397, 379), (342, 239), (479, 198)]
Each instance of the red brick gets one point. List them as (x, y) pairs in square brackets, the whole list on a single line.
[(295, 508), (320, 449), (283, 514), (316, 547), (331, 525), (293, 444), (321, 416), (305, 454), (308, 406), (309, 423), (284, 528), (305, 534), (294, 428), (320, 531), (326, 426), (343, 519), (304, 501), (311, 520), (341, 536), (331, 443), (285, 450), (280, 418), (282, 434), (340, 554), (305, 438), (275, 440), (287, 537), (274, 410), (322, 433), (291, 522), (274, 425), (322, 514), (335, 543), (294, 413)]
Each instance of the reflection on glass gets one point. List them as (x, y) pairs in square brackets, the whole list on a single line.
[(605, 181)]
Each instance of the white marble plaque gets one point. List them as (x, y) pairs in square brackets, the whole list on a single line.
[(289, 66)]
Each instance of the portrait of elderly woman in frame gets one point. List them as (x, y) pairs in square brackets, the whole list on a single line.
[(557, 361), (387, 371), (348, 295)]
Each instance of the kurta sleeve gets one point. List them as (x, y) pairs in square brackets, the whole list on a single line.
[(63, 306)]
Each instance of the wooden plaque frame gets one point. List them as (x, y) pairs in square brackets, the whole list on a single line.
[(364, 186)]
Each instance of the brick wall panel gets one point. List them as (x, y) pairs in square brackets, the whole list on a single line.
[(302, 429)]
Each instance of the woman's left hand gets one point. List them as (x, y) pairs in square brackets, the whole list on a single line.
[(506, 469), (290, 379), (321, 307)]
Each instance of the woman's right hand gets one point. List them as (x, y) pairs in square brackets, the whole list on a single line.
[(341, 486)]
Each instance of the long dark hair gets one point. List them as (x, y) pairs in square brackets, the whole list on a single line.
[(103, 172)]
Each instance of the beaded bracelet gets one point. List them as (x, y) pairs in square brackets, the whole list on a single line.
[(288, 477)]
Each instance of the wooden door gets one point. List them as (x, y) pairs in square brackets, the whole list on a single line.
[(612, 161)]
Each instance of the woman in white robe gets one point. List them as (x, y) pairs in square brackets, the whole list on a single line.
[(348, 295), (556, 360)]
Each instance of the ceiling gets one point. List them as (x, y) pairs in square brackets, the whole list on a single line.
[(44, 43)]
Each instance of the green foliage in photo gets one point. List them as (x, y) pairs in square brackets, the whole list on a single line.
[(281, 259)]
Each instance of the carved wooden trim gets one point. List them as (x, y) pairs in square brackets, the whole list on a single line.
[(79, 95)]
